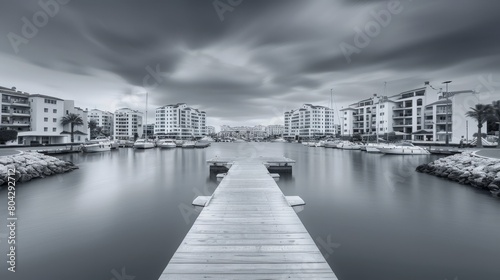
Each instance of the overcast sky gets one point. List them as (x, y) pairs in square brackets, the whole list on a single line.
[(245, 61)]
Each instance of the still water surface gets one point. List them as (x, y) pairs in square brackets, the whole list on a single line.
[(125, 213)]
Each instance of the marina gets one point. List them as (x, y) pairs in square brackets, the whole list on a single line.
[(358, 205)]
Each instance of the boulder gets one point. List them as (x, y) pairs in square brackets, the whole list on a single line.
[(30, 165)]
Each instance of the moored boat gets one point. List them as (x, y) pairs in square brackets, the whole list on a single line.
[(404, 149), (143, 144), (97, 145), (166, 144), (201, 144), (320, 144), (347, 145)]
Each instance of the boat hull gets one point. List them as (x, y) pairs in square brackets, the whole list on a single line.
[(404, 151), (95, 148), (144, 146)]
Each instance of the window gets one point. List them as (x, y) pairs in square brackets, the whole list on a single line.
[(45, 129), (46, 110), (54, 111), (45, 119), (54, 120), (54, 129)]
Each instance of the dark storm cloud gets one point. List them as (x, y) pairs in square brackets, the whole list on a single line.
[(263, 57)]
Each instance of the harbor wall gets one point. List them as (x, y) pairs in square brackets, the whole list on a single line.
[(31, 165), (467, 169)]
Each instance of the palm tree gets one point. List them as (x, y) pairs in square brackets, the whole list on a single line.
[(73, 120), (92, 128), (495, 116), (481, 113)]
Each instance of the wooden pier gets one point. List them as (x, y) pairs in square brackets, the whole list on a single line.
[(248, 230)]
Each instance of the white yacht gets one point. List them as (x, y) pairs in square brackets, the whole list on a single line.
[(97, 145), (143, 144), (320, 144), (404, 149), (347, 145), (167, 144), (332, 144), (201, 144)]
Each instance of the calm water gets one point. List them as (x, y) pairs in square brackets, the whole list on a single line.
[(372, 216)]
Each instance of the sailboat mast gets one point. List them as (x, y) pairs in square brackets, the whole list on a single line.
[(146, 137)]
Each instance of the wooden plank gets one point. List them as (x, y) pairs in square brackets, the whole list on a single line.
[(248, 230), (250, 276), (240, 257)]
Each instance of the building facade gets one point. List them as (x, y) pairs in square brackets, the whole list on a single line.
[(275, 130), (103, 119), (180, 121), (449, 114), (309, 121), (16, 111), (127, 124), (420, 115), (367, 117)]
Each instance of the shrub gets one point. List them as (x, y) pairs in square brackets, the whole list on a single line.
[(7, 135)]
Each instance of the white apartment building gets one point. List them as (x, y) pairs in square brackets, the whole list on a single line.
[(419, 115), (127, 124), (16, 111), (247, 132), (103, 119), (309, 121), (276, 129), (408, 110), (367, 117), (180, 121), (45, 126), (437, 118)]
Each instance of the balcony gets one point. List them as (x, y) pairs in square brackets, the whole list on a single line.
[(443, 122), (20, 103), (442, 112), (15, 123), (20, 113)]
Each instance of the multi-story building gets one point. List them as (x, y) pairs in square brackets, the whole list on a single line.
[(247, 132), (180, 121), (127, 124), (275, 130), (15, 113), (421, 115), (103, 119), (309, 121), (367, 117), (450, 114), (408, 110), (45, 125)]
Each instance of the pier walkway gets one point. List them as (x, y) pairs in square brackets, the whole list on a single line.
[(248, 230)]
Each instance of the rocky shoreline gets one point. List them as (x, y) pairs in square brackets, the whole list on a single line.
[(31, 165), (467, 169)]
